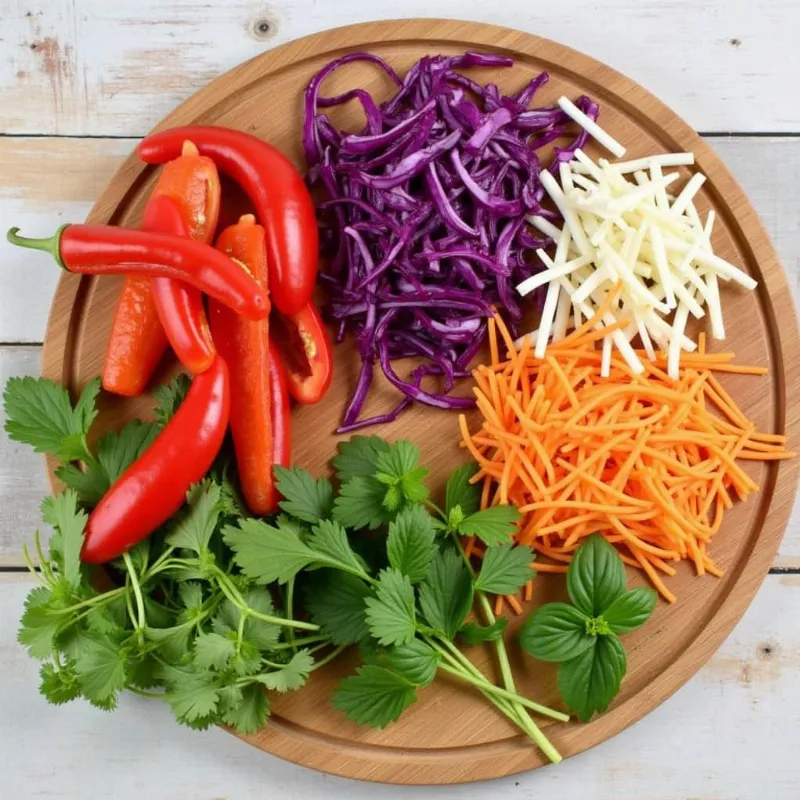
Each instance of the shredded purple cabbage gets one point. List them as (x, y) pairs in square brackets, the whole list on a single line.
[(423, 228)]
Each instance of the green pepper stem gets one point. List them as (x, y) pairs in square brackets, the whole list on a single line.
[(50, 245)]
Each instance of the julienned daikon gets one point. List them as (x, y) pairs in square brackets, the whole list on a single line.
[(628, 222)]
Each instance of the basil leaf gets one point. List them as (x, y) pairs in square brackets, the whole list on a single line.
[(596, 576), (590, 682), (555, 632), (630, 610)]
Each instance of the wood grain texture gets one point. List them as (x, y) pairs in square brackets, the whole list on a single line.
[(424, 747), (730, 734), (110, 68)]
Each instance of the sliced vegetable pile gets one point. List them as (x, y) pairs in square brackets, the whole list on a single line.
[(425, 218)]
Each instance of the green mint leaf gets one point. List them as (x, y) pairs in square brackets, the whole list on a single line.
[(329, 540), (358, 457), (555, 632), (266, 553), (101, 668), (589, 682), (399, 460), (193, 695), (251, 712), (213, 651), (494, 525), (391, 616), (172, 642), (374, 696), (305, 498), (169, 397), (473, 634), (335, 601), (360, 504), (61, 512), (460, 492), (630, 610), (416, 661), (411, 543), (195, 529), (290, 677), (39, 413), (445, 596), (59, 686), (505, 569), (596, 576)]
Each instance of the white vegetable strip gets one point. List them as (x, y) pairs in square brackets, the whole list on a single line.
[(552, 272), (591, 127), (570, 217), (548, 314), (687, 195), (545, 226)]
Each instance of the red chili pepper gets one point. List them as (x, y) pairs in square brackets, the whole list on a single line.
[(244, 344), (281, 411), (277, 191), (107, 250), (154, 487), (305, 350)]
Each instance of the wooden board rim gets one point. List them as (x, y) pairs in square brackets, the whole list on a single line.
[(454, 765)]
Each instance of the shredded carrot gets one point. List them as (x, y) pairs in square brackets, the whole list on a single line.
[(647, 461)]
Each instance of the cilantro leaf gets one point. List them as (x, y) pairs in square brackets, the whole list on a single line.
[(291, 676), (194, 531), (259, 633), (193, 695), (169, 397), (391, 616), (445, 596), (398, 460), (358, 457), (213, 651), (173, 642), (39, 413), (494, 525), (589, 682), (61, 512), (329, 539), (90, 483), (473, 634), (374, 696), (411, 543), (416, 661), (191, 595), (335, 601), (101, 668), (505, 569), (460, 492), (266, 553), (39, 626), (251, 712), (360, 504), (305, 498), (59, 686)]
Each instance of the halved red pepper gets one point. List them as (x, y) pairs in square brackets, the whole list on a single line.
[(244, 344), (281, 410), (305, 349), (154, 487), (276, 189)]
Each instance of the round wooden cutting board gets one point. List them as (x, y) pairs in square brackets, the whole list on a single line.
[(452, 734)]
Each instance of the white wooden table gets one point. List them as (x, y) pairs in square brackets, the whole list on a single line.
[(81, 80)]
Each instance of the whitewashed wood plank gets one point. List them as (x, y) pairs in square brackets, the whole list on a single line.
[(727, 734), (102, 68)]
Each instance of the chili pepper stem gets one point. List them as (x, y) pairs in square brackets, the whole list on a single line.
[(50, 245)]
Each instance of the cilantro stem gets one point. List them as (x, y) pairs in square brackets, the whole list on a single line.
[(32, 569), (44, 564), (289, 612), (301, 642), (137, 591), (92, 601)]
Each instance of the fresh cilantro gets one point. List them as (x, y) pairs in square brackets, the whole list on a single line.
[(61, 512), (213, 651), (194, 697), (360, 504), (250, 710), (335, 601), (291, 676), (460, 493), (172, 642), (358, 457), (391, 615), (505, 569), (261, 634), (411, 543), (169, 397), (445, 596), (194, 530), (39, 625), (304, 498), (493, 525), (473, 634), (374, 696), (329, 539), (101, 668), (39, 413), (59, 686)]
